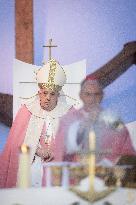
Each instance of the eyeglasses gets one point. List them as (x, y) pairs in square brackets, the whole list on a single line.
[(87, 94)]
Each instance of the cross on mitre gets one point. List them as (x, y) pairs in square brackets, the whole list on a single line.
[(50, 46)]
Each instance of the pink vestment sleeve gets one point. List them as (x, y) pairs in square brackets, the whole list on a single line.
[(119, 143), (10, 154), (127, 147)]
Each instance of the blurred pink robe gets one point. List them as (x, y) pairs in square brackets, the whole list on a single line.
[(117, 141)]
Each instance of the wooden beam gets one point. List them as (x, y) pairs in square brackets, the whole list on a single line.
[(6, 109), (24, 50), (24, 30), (116, 66)]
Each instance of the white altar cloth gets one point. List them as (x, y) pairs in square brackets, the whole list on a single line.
[(60, 196)]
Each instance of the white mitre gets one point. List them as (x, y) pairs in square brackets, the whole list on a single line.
[(51, 75)]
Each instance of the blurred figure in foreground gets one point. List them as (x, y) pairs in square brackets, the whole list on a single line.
[(112, 137)]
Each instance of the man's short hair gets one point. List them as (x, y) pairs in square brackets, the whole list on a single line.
[(91, 81)]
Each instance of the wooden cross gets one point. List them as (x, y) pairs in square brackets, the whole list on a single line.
[(50, 46)]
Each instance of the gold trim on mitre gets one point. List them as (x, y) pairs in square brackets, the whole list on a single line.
[(50, 84), (52, 72)]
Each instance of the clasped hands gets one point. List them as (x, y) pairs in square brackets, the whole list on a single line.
[(45, 154)]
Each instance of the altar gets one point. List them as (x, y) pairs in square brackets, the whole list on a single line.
[(61, 196)]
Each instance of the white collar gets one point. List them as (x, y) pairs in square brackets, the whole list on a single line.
[(35, 108)]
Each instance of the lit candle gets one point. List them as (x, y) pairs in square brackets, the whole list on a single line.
[(92, 160), (23, 179)]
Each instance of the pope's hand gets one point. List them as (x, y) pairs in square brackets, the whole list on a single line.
[(45, 154)]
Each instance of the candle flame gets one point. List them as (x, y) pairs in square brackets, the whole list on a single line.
[(24, 148)]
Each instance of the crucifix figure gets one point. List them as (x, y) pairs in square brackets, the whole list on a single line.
[(50, 46)]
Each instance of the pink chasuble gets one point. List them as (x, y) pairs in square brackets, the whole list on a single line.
[(10, 155)]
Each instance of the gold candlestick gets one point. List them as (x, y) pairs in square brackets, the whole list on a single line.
[(23, 179), (91, 195), (92, 160)]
